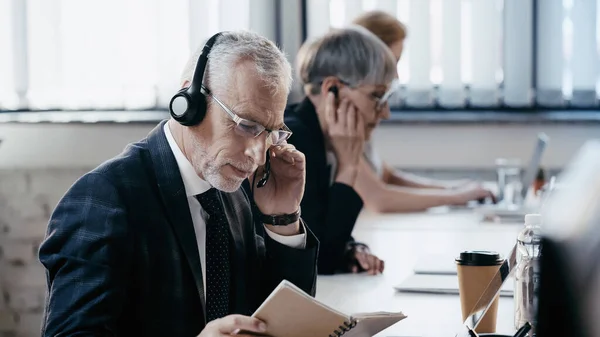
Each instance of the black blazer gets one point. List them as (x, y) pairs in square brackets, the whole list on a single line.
[(122, 257), (329, 210)]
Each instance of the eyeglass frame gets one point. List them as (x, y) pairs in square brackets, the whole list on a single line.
[(238, 120), (380, 102)]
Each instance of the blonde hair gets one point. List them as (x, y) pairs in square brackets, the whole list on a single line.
[(387, 27)]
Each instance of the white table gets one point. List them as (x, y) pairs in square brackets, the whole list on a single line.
[(400, 239)]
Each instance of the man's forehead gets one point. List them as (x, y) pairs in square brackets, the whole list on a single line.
[(265, 113), (251, 98)]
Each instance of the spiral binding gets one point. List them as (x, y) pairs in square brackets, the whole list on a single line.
[(347, 326)]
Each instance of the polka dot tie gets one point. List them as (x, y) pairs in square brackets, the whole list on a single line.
[(217, 256)]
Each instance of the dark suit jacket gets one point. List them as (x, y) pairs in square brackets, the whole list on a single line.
[(329, 210), (122, 257)]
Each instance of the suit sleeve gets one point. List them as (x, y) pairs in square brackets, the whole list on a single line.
[(278, 261), (331, 213), (298, 266), (87, 253)]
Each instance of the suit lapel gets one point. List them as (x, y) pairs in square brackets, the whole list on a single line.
[(172, 190)]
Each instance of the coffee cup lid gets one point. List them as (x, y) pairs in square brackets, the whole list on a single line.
[(479, 258)]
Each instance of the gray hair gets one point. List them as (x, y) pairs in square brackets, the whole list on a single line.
[(352, 54), (233, 47)]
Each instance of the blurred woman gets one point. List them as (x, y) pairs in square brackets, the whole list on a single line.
[(383, 188), (345, 73)]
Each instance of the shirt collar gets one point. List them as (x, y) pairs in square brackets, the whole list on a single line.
[(193, 184)]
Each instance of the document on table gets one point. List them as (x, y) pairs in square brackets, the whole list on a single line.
[(441, 284)]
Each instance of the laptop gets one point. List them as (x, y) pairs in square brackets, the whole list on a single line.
[(501, 208), (510, 211)]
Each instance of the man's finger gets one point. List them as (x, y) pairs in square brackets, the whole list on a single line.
[(231, 323), (279, 149), (290, 154)]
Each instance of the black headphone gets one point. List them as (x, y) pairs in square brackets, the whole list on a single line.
[(188, 106)]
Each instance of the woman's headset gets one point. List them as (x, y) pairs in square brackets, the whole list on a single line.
[(188, 106)]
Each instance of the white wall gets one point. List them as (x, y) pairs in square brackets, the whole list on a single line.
[(64, 145), (406, 145), (477, 146)]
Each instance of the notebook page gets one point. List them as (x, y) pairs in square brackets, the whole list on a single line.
[(290, 312), (370, 324)]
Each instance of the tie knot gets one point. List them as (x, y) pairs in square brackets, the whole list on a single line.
[(209, 201)]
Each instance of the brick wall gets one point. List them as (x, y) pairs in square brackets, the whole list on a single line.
[(27, 198)]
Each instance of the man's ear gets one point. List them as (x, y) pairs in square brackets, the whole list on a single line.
[(185, 84)]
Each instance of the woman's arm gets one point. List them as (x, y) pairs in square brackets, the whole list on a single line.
[(384, 198), (398, 178)]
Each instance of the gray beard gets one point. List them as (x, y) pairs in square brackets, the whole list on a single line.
[(210, 171)]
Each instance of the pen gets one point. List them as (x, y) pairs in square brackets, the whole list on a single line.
[(523, 331)]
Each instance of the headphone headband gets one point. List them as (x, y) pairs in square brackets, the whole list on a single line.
[(188, 106)]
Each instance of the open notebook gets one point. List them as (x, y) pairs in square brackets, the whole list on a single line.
[(290, 312)]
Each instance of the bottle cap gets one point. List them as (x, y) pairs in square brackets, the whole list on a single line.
[(533, 219)]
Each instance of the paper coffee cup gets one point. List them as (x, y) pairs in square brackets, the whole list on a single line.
[(475, 271)]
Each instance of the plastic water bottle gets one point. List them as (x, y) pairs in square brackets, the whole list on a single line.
[(527, 274)]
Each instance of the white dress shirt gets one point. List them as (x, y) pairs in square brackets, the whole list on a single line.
[(195, 185)]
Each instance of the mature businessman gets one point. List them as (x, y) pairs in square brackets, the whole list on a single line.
[(160, 240)]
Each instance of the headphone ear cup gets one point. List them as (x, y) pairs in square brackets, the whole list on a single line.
[(188, 106), (182, 108)]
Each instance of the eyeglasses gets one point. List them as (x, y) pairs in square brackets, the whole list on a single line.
[(380, 102), (248, 128)]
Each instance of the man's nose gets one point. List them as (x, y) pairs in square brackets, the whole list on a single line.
[(256, 149)]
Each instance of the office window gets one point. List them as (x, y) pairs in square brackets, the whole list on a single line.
[(568, 55), (108, 54), (8, 87), (487, 53)]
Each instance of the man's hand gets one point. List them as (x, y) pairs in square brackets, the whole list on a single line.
[(362, 260), (284, 190), (346, 133), (231, 325)]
